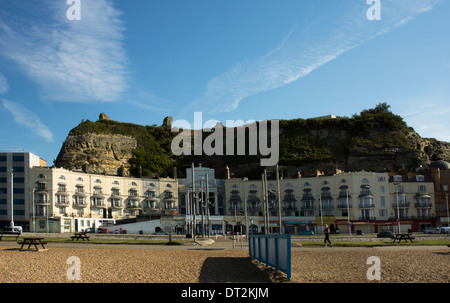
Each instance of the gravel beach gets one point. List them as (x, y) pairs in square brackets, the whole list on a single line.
[(189, 264)]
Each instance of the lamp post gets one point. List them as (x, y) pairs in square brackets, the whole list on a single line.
[(279, 200), (348, 216), (446, 202), (12, 198), (398, 206)]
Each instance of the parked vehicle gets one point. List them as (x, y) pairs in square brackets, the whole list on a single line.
[(304, 233), (386, 234), (445, 230), (12, 230), (431, 230)]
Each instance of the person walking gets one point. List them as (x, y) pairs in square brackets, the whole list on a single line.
[(327, 236)]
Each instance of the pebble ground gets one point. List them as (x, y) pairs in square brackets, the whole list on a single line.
[(212, 264)]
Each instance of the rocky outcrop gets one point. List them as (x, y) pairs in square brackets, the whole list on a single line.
[(376, 140), (97, 153)]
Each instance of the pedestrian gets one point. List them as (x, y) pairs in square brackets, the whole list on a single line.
[(327, 236)]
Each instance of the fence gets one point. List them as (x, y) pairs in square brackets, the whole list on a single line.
[(273, 250)]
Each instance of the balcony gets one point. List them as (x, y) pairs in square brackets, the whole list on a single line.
[(344, 206), (423, 205), (134, 204), (366, 205), (401, 205), (116, 204), (368, 218), (79, 204), (308, 207)]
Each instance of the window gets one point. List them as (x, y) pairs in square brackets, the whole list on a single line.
[(3, 191), (307, 184), (115, 192), (445, 187), (364, 181), (397, 178), (382, 201), (252, 186), (19, 169), (420, 178), (422, 189), (79, 179), (98, 181), (383, 213), (62, 187), (62, 177), (382, 189), (289, 185), (79, 189), (381, 179), (400, 189), (115, 183), (169, 185), (133, 184), (41, 176), (325, 183), (18, 158), (343, 181)]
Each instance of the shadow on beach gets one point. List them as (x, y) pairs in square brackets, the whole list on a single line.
[(237, 270)]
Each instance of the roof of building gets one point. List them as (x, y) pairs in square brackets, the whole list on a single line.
[(440, 163)]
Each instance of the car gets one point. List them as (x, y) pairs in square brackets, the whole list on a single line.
[(445, 230), (386, 234), (304, 233), (431, 230), (90, 230), (12, 230)]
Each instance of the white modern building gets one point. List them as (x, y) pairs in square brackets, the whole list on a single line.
[(14, 178)]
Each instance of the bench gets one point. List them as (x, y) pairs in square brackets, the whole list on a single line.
[(81, 235), (17, 235), (32, 241), (405, 237)]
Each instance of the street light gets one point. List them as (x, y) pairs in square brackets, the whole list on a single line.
[(398, 207), (348, 215)]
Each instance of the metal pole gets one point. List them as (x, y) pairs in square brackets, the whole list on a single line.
[(34, 215), (207, 205), (321, 215), (446, 201), (193, 203), (202, 208), (264, 204), (12, 198), (245, 213), (266, 194), (398, 208), (348, 216), (279, 199)]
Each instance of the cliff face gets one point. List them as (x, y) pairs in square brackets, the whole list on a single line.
[(375, 140), (97, 153)]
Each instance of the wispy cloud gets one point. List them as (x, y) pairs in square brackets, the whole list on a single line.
[(342, 27), (74, 61), (27, 119), (4, 86)]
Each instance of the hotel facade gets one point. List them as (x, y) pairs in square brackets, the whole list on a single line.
[(67, 201), (365, 201)]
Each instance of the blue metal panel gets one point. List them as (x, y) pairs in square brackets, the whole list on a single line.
[(282, 260)]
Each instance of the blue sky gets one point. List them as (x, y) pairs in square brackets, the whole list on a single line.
[(139, 61)]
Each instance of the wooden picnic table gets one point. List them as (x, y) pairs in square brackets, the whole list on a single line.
[(80, 235), (32, 241), (404, 237), (9, 234)]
